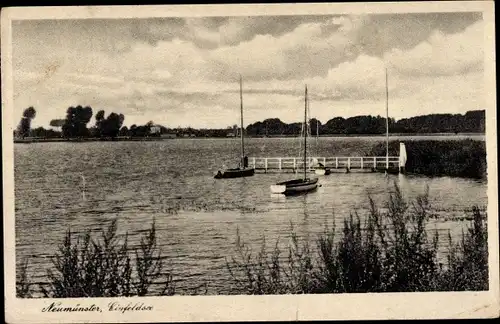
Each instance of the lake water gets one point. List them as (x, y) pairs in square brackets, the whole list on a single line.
[(197, 216)]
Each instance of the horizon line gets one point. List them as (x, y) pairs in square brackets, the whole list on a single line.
[(294, 122)]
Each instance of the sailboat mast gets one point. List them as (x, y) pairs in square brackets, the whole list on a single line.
[(386, 120), (241, 131), (305, 135)]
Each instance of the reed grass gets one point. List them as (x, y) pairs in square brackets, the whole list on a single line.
[(105, 267), (468, 259), (23, 285), (391, 251), (456, 158)]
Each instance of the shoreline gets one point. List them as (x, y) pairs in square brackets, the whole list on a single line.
[(136, 139)]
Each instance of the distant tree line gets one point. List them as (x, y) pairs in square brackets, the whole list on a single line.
[(337, 125), (471, 122), (75, 125)]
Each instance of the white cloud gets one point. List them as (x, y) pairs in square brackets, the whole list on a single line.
[(196, 29), (162, 74), (94, 79), (305, 50), (180, 58), (442, 54), (362, 78), (232, 30), (348, 24)]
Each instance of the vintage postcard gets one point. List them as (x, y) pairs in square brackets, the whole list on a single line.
[(271, 162)]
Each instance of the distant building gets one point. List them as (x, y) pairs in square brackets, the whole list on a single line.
[(154, 129), (169, 135), (234, 131)]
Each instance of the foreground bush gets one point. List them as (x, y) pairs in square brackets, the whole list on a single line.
[(391, 252), (456, 158), (85, 267)]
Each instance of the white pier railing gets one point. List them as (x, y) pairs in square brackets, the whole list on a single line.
[(373, 163), (334, 162)]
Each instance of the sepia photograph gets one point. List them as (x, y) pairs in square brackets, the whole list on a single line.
[(250, 162)]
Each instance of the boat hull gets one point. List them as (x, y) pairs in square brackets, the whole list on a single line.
[(292, 187), (235, 173), (322, 171)]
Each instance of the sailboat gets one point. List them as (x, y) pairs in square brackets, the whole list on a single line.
[(301, 185), (320, 169), (243, 170)]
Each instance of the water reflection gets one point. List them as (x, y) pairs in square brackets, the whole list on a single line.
[(305, 224), (403, 183)]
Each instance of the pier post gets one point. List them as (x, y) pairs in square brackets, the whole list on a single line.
[(279, 163), (336, 162), (265, 164), (253, 160), (361, 162), (375, 163), (294, 164), (402, 158), (349, 163)]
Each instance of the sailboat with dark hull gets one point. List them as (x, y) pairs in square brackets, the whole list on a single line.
[(304, 184), (243, 170)]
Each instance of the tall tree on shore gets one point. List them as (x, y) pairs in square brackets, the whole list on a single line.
[(124, 131), (75, 124), (99, 119), (110, 126), (25, 124), (113, 124)]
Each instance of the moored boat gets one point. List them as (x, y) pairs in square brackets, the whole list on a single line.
[(296, 186), (235, 173), (243, 170), (321, 170), (301, 185)]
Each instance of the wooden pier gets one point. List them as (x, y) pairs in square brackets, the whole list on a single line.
[(341, 163), (334, 163)]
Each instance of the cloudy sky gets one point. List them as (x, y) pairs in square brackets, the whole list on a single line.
[(184, 71)]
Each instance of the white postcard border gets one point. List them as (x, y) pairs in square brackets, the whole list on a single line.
[(435, 305)]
